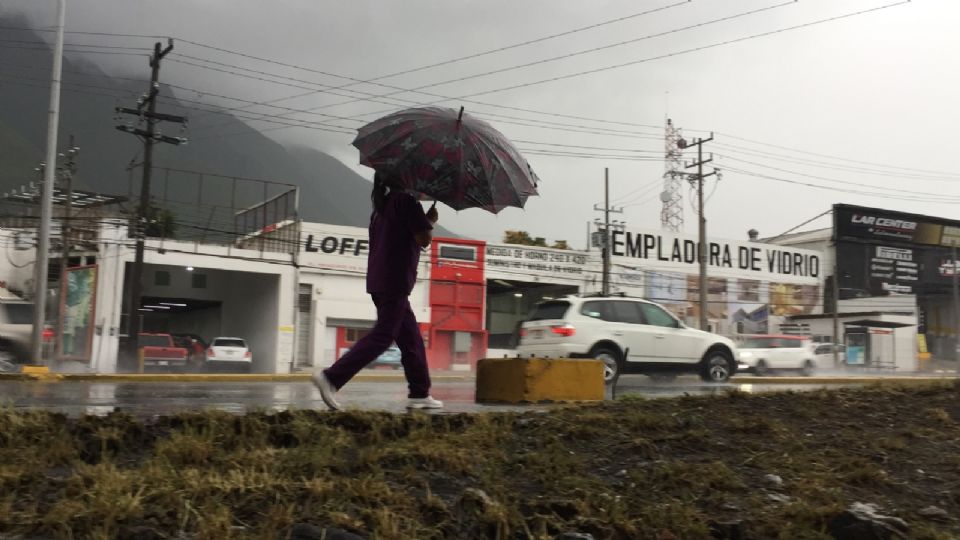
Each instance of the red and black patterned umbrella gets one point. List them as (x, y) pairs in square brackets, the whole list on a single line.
[(449, 156)]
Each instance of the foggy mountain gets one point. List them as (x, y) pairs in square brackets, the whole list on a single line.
[(218, 144)]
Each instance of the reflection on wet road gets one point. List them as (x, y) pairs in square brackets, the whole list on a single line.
[(153, 398)]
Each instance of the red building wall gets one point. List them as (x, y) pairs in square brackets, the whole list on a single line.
[(457, 297)]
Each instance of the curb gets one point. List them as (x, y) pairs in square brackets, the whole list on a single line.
[(844, 380), (208, 377)]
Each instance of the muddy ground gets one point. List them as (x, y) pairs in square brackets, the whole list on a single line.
[(690, 467)]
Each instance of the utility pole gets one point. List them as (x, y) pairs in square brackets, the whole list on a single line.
[(702, 252), (956, 305), (46, 194), (836, 309), (69, 169), (150, 136), (605, 287)]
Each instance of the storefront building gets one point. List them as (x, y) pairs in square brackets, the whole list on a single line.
[(893, 264)]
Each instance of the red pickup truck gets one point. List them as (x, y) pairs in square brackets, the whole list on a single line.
[(159, 350)]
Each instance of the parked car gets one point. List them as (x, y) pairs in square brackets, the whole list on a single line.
[(824, 353), (159, 350), (196, 348), (231, 353), (16, 328), (630, 335), (765, 353), (389, 358)]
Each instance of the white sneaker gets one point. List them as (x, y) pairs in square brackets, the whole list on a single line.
[(327, 391), (424, 403)]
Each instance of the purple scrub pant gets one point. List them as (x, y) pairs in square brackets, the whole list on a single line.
[(395, 323)]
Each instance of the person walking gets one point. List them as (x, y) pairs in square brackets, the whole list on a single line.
[(398, 230)]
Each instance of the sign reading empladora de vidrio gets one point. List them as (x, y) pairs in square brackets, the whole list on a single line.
[(679, 253)]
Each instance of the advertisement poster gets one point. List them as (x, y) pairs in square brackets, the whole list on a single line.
[(77, 313)]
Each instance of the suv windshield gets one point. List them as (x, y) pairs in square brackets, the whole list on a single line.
[(549, 310), (221, 342)]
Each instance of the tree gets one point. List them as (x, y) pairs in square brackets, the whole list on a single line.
[(161, 223), (524, 238)]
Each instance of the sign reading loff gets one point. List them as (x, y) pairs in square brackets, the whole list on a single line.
[(342, 245), (667, 250)]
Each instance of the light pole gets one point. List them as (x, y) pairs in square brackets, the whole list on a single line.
[(46, 197)]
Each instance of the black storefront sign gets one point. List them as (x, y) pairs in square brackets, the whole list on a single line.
[(877, 270), (858, 222), (881, 253)]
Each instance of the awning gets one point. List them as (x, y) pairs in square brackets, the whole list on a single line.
[(867, 323)]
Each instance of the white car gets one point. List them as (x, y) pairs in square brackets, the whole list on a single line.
[(629, 335), (762, 354), (824, 354), (229, 352)]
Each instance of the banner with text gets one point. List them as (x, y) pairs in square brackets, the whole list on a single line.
[(670, 252)]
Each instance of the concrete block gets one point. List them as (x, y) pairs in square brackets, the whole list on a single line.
[(534, 380), (34, 369)]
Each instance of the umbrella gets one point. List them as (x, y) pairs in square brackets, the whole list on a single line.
[(449, 156)]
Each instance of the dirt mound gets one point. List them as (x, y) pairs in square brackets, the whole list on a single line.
[(735, 466)]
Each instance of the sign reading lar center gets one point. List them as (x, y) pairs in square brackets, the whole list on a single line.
[(665, 250)]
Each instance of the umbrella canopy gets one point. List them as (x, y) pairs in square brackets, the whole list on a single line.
[(449, 156)]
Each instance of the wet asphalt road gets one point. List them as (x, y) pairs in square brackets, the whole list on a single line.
[(160, 398)]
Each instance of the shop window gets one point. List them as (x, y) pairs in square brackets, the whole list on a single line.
[(161, 278), (199, 281)]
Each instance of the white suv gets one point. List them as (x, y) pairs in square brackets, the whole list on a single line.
[(629, 335)]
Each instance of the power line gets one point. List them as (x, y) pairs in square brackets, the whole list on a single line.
[(827, 165), (873, 164), (490, 51), (836, 181), (678, 53), (398, 90), (578, 53), (831, 188)]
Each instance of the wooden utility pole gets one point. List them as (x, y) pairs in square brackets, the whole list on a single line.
[(150, 136), (702, 252), (605, 287)]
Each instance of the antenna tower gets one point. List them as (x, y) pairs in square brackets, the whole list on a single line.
[(671, 215)]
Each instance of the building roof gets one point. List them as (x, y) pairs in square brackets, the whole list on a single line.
[(816, 235), (80, 198)]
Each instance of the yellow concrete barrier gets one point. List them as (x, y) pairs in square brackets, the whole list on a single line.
[(534, 380), (34, 370)]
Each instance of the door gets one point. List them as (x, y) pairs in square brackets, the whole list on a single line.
[(672, 342), (631, 332), (304, 325)]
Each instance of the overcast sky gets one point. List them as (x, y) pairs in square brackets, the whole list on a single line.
[(876, 90)]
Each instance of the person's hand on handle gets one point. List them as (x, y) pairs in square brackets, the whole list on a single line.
[(432, 213)]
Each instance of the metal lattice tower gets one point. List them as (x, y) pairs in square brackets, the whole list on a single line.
[(671, 215)]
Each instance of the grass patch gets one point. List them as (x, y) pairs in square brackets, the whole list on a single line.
[(632, 468)]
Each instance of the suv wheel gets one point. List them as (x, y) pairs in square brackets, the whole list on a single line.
[(611, 362), (716, 367), (761, 368)]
